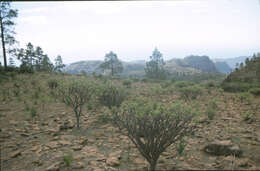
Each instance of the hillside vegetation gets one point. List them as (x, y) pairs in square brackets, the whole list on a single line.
[(39, 127), (246, 76)]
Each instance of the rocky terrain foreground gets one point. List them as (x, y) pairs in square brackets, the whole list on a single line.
[(43, 142)]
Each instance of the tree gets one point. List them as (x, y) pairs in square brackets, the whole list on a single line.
[(247, 61), (75, 94), (155, 67), (6, 23), (241, 65), (34, 58), (46, 64), (58, 63), (112, 63), (38, 58), (26, 56), (11, 62), (30, 54), (153, 127)]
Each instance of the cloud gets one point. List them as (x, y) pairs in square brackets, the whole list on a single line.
[(34, 20), (33, 10), (95, 7)]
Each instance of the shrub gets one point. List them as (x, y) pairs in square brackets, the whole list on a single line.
[(67, 158), (16, 91), (153, 127), (211, 113), (11, 74), (36, 94), (26, 69), (127, 83), (166, 84), (245, 97), (255, 91), (213, 104), (111, 95), (181, 84), (190, 93), (76, 93), (235, 87), (211, 84), (181, 146), (104, 118), (33, 112), (247, 116), (52, 83)]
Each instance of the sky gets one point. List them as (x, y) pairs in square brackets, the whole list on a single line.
[(87, 30)]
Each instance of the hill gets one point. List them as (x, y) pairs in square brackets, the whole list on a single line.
[(250, 72), (245, 77), (202, 63), (189, 65), (233, 61), (223, 67)]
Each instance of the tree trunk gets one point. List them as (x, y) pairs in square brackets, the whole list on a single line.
[(153, 165), (77, 121), (3, 40)]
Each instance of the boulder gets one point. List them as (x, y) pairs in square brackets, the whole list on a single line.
[(225, 147), (54, 167)]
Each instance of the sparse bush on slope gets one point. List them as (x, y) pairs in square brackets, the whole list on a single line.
[(75, 93), (153, 127), (111, 95), (191, 92)]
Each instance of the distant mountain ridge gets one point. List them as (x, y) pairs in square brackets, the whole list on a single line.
[(233, 61), (190, 65)]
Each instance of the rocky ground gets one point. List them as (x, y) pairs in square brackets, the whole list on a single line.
[(41, 143)]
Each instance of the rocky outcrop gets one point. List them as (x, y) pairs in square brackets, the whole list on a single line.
[(225, 147)]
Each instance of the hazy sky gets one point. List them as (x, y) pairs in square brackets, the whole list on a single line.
[(87, 30)]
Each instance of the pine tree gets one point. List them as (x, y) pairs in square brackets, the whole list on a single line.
[(7, 16), (112, 63), (11, 62), (58, 63), (155, 67)]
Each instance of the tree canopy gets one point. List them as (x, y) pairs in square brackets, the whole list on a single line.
[(155, 67), (7, 15), (112, 63)]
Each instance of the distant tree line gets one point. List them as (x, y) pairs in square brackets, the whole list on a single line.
[(31, 58)]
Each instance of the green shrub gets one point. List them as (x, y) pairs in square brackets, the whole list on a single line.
[(245, 97), (181, 146), (153, 127), (26, 69), (191, 92), (247, 116), (166, 84), (213, 104), (11, 74), (36, 94), (211, 113), (181, 84), (67, 158), (211, 84), (33, 112), (104, 118), (236, 87), (255, 91), (127, 83), (75, 93), (111, 95), (16, 91), (52, 83)]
